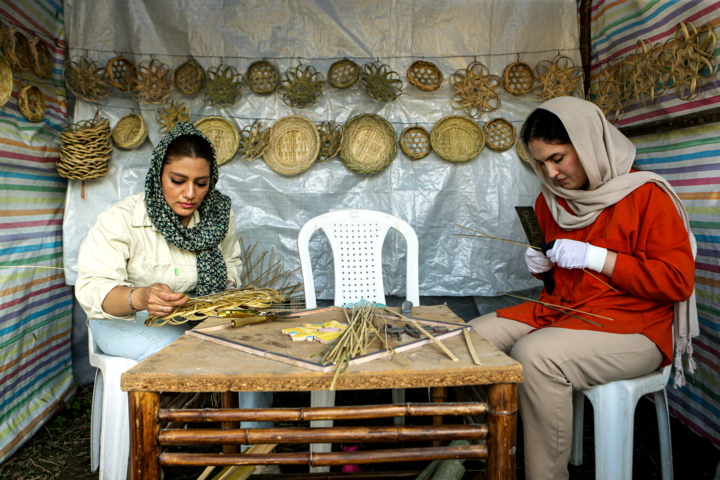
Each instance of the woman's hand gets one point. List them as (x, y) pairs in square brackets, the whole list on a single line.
[(537, 262), (568, 253), (157, 299)]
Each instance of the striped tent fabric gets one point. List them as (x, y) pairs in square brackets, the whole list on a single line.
[(689, 159), (35, 304)]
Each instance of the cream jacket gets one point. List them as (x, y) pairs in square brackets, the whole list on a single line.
[(124, 248)]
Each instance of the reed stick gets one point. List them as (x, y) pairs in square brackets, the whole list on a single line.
[(557, 309), (471, 348), (553, 305), (437, 342)]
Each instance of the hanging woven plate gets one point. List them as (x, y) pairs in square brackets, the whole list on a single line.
[(254, 140), (130, 132), (86, 79), (154, 82), (121, 73), (17, 50), (343, 74), (302, 86), (369, 143), (170, 114), (41, 60), (693, 61), (518, 78), (606, 92), (415, 142), (6, 80), (223, 135), (559, 78), (499, 134), (425, 76), (520, 149), (262, 77), (473, 90), (457, 139), (331, 135), (294, 145), (31, 103), (223, 86), (189, 77), (380, 82)]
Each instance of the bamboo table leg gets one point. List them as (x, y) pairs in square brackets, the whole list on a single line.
[(144, 431), (437, 395), (502, 423), (230, 400)]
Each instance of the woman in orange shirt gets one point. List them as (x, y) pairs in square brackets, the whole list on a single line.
[(630, 231)]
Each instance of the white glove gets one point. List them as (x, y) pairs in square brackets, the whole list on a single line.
[(537, 262), (573, 254)]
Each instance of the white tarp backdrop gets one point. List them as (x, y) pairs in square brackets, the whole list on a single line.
[(431, 194)]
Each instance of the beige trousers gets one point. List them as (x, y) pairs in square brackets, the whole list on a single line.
[(557, 361)]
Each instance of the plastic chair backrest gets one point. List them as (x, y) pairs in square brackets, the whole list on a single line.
[(356, 238)]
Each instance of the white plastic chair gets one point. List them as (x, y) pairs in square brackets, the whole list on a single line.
[(356, 238), (110, 425)]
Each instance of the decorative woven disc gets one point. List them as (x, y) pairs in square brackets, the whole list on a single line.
[(343, 74), (457, 139), (223, 134), (369, 143), (692, 62), (499, 134), (41, 60), (17, 50), (380, 82), (86, 79), (425, 76), (85, 150), (31, 103), (121, 73), (154, 82), (6, 80), (189, 77), (223, 86), (473, 90), (170, 114), (254, 140), (521, 153), (302, 86), (130, 132), (262, 77), (607, 92), (415, 142), (294, 145), (559, 78), (331, 135), (518, 78)]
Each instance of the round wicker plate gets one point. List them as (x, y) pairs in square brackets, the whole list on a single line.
[(425, 76), (369, 143), (457, 139), (121, 73), (343, 74), (518, 78), (130, 132), (499, 134), (415, 142), (223, 135), (294, 145), (6, 80), (262, 77)]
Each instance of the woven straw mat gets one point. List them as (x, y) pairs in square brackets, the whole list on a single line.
[(223, 135), (6, 80), (369, 143), (130, 132), (499, 134), (294, 145), (415, 142), (457, 139)]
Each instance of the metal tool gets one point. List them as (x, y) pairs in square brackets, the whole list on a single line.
[(406, 307), (242, 322), (535, 237)]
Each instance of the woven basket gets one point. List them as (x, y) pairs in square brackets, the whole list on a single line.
[(343, 74), (473, 90), (130, 132), (86, 79), (499, 134), (121, 73), (294, 145), (189, 77), (254, 140), (153, 82), (331, 135), (223, 86), (262, 77), (457, 139), (302, 86), (369, 143), (521, 153), (170, 114), (380, 82), (518, 78), (31, 103), (6, 80), (41, 60), (223, 135), (17, 50), (425, 76), (558, 78), (85, 150), (415, 142)]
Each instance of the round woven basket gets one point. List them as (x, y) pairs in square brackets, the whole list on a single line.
[(294, 145), (369, 143), (520, 149), (85, 150), (425, 76), (518, 78), (380, 82), (153, 82), (170, 114), (41, 60), (86, 79), (331, 135), (499, 134), (17, 50), (343, 74), (130, 132), (254, 140), (121, 73), (6, 80), (223, 86), (189, 77), (223, 135), (415, 142), (457, 139), (31, 103), (301, 86), (262, 77)]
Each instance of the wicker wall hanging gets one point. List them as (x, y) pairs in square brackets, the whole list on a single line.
[(424, 76), (170, 114), (189, 77), (121, 73), (85, 150), (415, 142), (6, 80), (41, 60), (31, 103), (130, 131), (17, 50), (223, 135), (521, 153), (607, 93), (262, 77), (369, 143), (254, 140), (499, 134), (473, 90), (294, 145), (518, 78), (693, 61), (86, 79), (223, 86), (645, 75), (380, 82), (457, 139), (153, 82), (558, 78), (331, 135), (302, 86), (343, 73)]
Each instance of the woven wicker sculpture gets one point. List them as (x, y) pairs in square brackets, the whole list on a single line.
[(415, 142), (473, 90), (41, 60), (499, 134), (331, 135), (130, 132), (6, 80), (693, 62), (121, 73), (520, 149), (223, 86), (153, 82), (380, 82), (559, 78), (424, 76), (343, 74), (262, 77), (518, 78), (457, 139), (17, 50), (294, 145), (170, 114), (85, 150), (607, 93), (86, 79), (31, 103), (302, 86), (223, 135), (189, 77), (254, 140), (369, 143)]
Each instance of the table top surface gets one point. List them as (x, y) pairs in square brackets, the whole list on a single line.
[(195, 365)]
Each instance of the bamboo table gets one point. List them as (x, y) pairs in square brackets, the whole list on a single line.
[(194, 365)]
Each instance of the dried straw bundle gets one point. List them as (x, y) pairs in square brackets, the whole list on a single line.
[(189, 77), (153, 82), (86, 79), (415, 142), (170, 114), (254, 140), (473, 90), (6, 80), (262, 77), (558, 78), (369, 143), (331, 135), (499, 134), (121, 73), (223, 87), (518, 78), (380, 82), (424, 76), (17, 50), (41, 60), (294, 145), (130, 131), (302, 86), (223, 135), (457, 139), (343, 74), (31, 103)]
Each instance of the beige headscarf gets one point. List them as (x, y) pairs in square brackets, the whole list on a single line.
[(607, 156)]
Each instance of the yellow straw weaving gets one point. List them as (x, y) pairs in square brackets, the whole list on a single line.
[(457, 139), (223, 135), (369, 144), (294, 145)]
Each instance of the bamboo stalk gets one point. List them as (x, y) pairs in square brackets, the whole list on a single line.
[(435, 340)]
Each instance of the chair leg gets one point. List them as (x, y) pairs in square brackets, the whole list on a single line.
[(398, 397), (321, 398), (663, 417), (115, 431), (576, 452), (96, 421)]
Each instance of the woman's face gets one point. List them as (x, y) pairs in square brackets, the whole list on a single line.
[(561, 163), (185, 182)]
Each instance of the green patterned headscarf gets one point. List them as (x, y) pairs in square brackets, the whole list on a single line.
[(214, 211)]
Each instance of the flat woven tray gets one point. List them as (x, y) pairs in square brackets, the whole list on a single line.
[(130, 132), (223, 135), (499, 134), (457, 139), (415, 142), (294, 145), (6, 80), (369, 143)]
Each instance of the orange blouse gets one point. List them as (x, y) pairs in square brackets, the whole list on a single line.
[(654, 269)]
